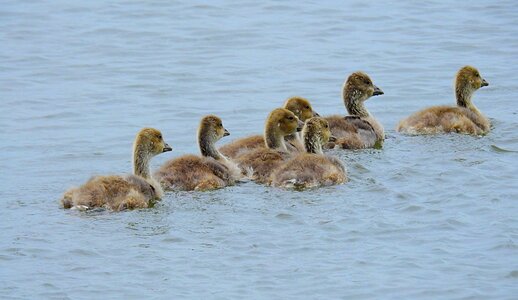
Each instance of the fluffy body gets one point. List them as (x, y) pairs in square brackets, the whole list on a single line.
[(210, 171), (198, 173), (308, 170), (115, 192), (262, 161), (360, 129), (314, 168), (444, 119), (299, 106), (241, 146), (352, 132), (245, 145), (112, 192), (464, 118)]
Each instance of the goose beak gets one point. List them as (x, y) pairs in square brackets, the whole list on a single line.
[(332, 139), (315, 114), (377, 91), (167, 148), (484, 83), (300, 125), (226, 133)]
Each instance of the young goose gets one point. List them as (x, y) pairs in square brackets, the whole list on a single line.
[(210, 171), (299, 106), (464, 118), (311, 169), (360, 129), (123, 192), (263, 161)]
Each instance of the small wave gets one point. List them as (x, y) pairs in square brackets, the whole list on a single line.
[(497, 149)]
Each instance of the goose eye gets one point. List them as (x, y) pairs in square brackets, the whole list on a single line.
[(307, 107), (159, 136), (290, 118), (220, 125)]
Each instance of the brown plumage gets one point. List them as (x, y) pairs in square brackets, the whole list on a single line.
[(464, 118), (360, 129), (263, 161), (241, 146), (311, 169), (301, 107), (210, 171), (353, 132), (123, 192)]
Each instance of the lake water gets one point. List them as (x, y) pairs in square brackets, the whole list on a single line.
[(424, 218)]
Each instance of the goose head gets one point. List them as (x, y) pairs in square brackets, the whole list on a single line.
[(316, 133), (301, 107), (284, 121), (151, 142), (360, 86), (357, 88), (469, 78), (211, 128), (148, 143), (280, 123), (467, 81)]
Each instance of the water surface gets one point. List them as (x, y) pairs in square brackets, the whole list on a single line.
[(424, 218)]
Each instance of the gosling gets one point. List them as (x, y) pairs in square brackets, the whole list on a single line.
[(360, 129), (210, 171), (117, 193), (263, 161), (311, 169), (465, 118), (301, 107)]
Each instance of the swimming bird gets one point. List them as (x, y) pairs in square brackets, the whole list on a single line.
[(210, 171), (300, 106), (314, 168), (360, 129), (464, 118), (123, 192), (263, 161)]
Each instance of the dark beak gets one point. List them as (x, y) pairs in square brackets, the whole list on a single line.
[(315, 114), (484, 83), (300, 125), (377, 91), (226, 133), (332, 139), (167, 148)]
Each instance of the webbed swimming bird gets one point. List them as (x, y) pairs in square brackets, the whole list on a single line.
[(210, 171), (360, 129), (123, 192), (263, 161), (300, 106), (464, 118)]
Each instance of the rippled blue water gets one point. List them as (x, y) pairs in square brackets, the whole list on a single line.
[(424, 218)]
